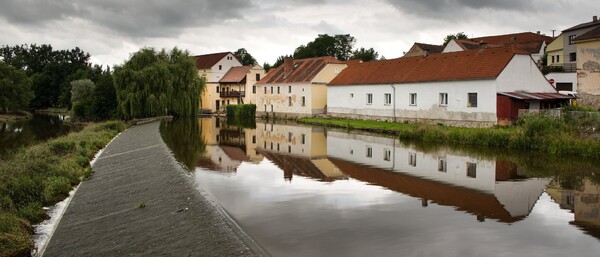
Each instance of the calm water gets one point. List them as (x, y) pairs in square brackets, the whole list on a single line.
[(16, 134), (306, 191)]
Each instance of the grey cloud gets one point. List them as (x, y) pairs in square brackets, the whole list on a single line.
[(443, 9), (136, 18)]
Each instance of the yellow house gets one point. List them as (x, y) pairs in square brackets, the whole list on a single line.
[(588, 67), (297, 87), (238, 85), (212, 67), (555, 52)]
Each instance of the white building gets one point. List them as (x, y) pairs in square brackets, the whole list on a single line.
[(476, 185), (466, 88), (297, 87)]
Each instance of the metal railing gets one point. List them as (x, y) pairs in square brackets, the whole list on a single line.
[(232, 93)]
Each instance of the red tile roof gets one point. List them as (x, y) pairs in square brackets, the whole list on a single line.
[(236, 74), (303, 71), (464, 65), (431, 48), (583, 25), (463, 199), (208, 60), (531, 42)]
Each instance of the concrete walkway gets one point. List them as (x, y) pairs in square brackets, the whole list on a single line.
[(105, 217)]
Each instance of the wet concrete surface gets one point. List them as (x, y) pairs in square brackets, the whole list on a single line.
[(140, 202)]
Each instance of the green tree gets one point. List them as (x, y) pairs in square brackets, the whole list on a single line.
[(82, 92), (153, 83), (338, 46), (15, 88), (366, 55), (267, 66), (50, 70), (105, 98), (244, 57), (459, 35)]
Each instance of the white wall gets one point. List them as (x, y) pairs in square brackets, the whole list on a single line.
[(280, 100), (563, 77), (226, 64), (522, 74), (452, 46), (353, 100)]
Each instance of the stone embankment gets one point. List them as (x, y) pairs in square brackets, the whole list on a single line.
[(140, 202)]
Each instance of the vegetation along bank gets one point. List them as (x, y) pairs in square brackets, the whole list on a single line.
[(43, 175), (537, 133)]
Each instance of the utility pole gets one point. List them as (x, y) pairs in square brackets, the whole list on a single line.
[(553, 32)]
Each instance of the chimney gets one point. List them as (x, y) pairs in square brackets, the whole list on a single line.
[(595, 18), (288, 65), (482, 45), (538, 32)]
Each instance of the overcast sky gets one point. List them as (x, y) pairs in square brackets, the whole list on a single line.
[(112, 29)]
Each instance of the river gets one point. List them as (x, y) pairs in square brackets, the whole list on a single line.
[(299, 190)]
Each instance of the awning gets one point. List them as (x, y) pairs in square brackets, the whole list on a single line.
[(536, 96)]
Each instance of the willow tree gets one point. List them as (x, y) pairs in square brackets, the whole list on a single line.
[(153, 83)]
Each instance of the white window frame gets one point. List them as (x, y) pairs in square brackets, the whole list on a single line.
[(369, 152), (387, 99), (443, 99), (412, 99), (469, 103), (369, 98)]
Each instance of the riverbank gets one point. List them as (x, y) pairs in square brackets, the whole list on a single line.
[(141, 202), (534, 133), (41, 175), (4, 117)]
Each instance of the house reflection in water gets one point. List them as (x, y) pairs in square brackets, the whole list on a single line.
[(584, 201), (297, 150), (227, 146), (485, 188)]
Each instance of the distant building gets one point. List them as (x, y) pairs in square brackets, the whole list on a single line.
[(238, 85), (420, 49), (564, 79), (588, 67), (534, 43), (466, 88), (212, 67), (297, 87), (569, 47)]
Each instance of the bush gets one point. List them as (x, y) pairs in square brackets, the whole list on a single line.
[(241, 111)]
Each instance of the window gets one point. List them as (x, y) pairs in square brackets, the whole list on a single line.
[(289, 149), (413, 99), (369, 98), (265, 90), (265, 109), (278, 147), (553, 59), (290, 137), (289, 89), (472, 100), (471, 169), (573, 57), (304, 101), (265, 144), (303, 139), (558, 58), (257, 77), (387, 99), (351, 95), (387, 155), (278, 91), (271, 145), (289, 101), (220, 67), (571, 37), (412, 159), (442, 165), (254, 89), (443, 99), (217, 89), (369, 152), (254, 139), (271, 90)]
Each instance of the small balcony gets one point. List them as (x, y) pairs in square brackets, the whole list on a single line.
[(232, 93), (565, 67)]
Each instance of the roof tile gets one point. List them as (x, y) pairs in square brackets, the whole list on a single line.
[(303, 71)]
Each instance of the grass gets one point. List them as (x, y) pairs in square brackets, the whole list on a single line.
[(536, 133), (43, 175)]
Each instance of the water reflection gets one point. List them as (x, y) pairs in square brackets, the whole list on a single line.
[(297, 190), (16, 134)]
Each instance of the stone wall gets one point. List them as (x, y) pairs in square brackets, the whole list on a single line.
[(588, 99), (453, 123)]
